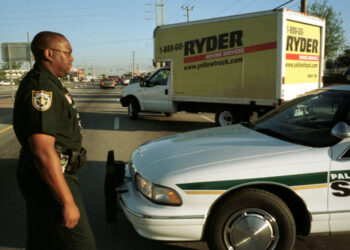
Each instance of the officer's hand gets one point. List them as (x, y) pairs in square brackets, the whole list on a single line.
[(71, 215)]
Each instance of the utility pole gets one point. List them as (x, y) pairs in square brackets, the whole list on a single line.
[(156, 13), (163, 11), (162, 6), (188, 10), (30, 56), (133, 64), (303, 8)]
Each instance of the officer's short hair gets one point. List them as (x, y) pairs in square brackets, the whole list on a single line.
[(42, 41)]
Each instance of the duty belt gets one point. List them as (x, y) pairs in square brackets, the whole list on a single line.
[(71, 161)]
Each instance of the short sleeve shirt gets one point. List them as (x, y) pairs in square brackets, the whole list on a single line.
[(44, 106)]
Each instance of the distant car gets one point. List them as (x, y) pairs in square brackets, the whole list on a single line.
[(347, 75), (3, 83), (246, 186), (126, 79), (107, 83)]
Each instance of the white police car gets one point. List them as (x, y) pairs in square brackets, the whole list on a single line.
[(253, 186)]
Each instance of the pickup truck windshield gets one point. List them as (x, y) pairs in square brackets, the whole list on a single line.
[(307, 120)]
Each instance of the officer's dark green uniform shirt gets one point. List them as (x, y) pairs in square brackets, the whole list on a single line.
[(43, 105)]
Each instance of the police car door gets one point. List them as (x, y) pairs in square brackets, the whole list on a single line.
[(339, 184), (156, 93)]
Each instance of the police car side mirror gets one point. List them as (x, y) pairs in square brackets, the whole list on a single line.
[(341, 130)]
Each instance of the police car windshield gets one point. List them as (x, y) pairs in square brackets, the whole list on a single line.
[(307, 120)]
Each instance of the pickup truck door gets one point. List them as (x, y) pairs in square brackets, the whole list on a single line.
[(155, 95)]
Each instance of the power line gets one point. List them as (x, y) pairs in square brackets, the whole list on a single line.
[(226, 8), (69, 9), (55, 17), (247, 6), (75, 22)]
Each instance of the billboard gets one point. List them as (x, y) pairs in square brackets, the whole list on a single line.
[(16, 52)]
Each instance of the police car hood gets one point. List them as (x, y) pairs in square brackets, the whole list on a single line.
[(205, 149)]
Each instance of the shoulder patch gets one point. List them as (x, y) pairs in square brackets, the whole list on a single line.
[(41, 100)]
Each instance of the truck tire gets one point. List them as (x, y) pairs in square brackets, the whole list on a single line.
[(252, 219), (347, 77), (224, 117), (133, 109)]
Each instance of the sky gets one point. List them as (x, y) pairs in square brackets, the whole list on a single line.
[(106, 35)]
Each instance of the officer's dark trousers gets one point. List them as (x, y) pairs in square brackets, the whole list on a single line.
[(44, 217)]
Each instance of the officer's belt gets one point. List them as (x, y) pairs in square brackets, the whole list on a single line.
[(71, 161)]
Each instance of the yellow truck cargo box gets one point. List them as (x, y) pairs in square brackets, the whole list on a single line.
[(258, 57)]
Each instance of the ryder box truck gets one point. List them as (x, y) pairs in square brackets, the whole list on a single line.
[(232, 66)]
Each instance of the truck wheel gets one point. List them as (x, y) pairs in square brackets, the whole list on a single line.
[(347, 77), (133, 109), (252, 219), (224, 117)]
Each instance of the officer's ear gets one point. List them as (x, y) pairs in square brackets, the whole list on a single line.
[(48, 55)]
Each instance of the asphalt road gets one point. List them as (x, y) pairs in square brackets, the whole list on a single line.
[(106, 127)]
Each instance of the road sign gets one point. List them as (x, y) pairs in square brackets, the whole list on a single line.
[(16, 52)]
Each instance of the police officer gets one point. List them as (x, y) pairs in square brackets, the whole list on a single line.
[(47, 125)]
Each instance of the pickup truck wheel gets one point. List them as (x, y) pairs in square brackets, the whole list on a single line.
[(224, 117), (252, 219), (133, 109)]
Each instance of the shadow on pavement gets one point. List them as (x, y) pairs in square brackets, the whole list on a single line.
[(154, 122)]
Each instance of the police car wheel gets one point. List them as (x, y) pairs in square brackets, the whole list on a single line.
[(251, 219), (133, 109)]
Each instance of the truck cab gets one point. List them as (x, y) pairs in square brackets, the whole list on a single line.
[(150, 95)]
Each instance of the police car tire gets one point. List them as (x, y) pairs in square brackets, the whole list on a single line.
[(133, 109), (253, 200)]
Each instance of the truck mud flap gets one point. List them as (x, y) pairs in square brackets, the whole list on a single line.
[(115, 172)]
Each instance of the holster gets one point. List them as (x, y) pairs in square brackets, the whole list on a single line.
[(71, 161), (76, 161)]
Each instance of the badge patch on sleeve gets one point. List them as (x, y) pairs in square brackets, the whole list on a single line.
[(41, 100)]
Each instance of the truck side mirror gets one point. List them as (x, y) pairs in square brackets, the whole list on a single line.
[(148, 83), (341, 130)]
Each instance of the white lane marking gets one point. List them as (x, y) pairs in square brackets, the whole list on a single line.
[(206, 118), (116, 123)]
